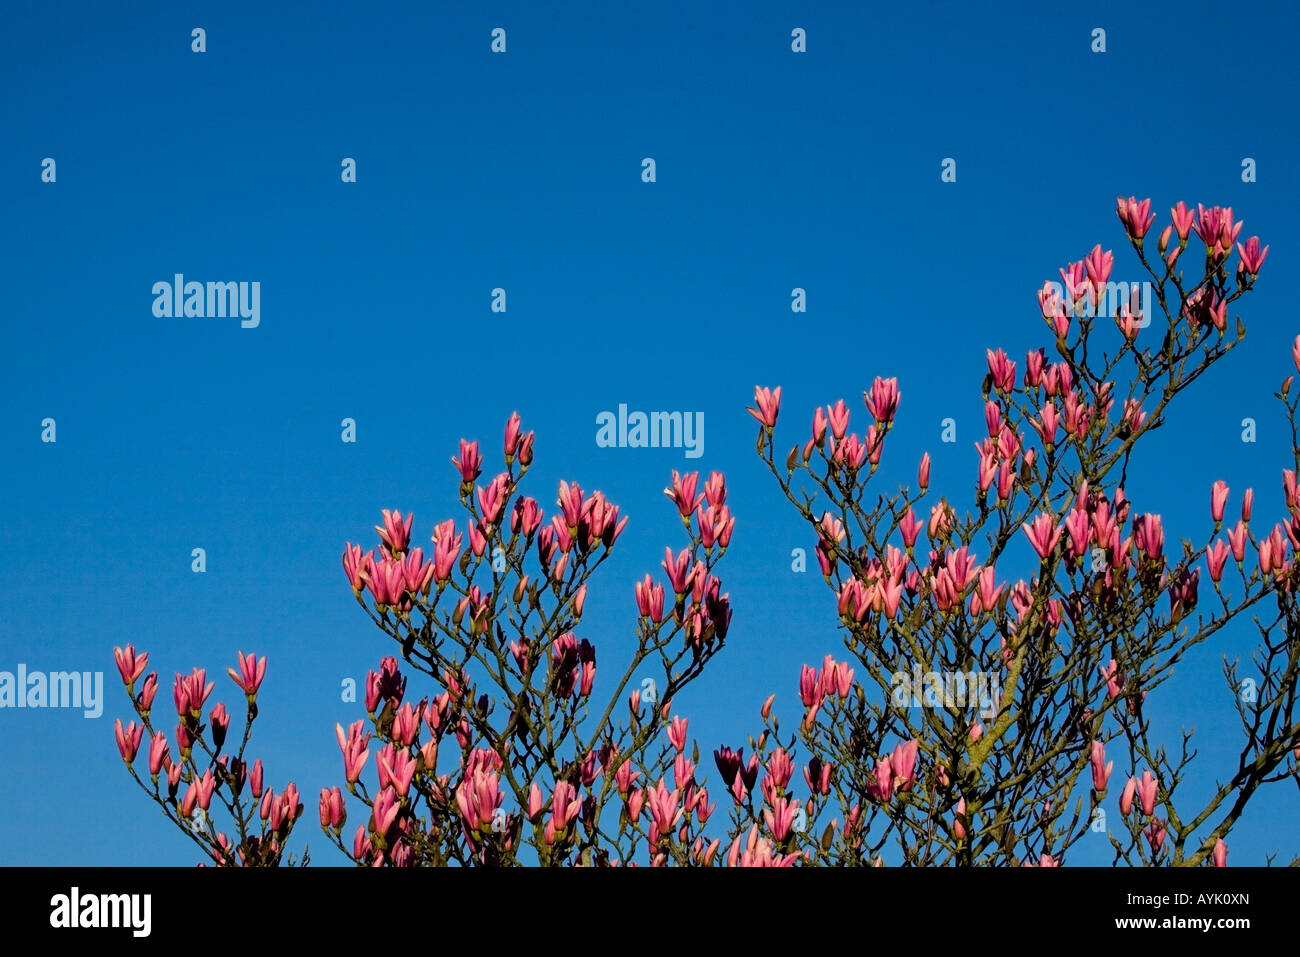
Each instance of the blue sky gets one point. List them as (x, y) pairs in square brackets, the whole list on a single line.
[(522, 171)]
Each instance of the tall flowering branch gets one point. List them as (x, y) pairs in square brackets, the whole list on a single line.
[(984, 706), (203, 780), (523, 754)]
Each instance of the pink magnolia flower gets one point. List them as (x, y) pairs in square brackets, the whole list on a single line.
[(478, 796), (1134, 415), (469, 463), (1114, 680), (882, 401), (810, 689), (1146, 792), (769, 404), (881, 785), (818, 430), (1100, 769), (635, 802), (841, 680), (780, 768), (147, 692), (1099, 265), (206, 785), (650, 599), (939, 523), (716, 525), (677, 734), (1078, 529), (385, 810), (1162, 243), (1155, 834), (992, 418), (1216, 558), (1034, 362), (251, 672), (1272, 552), (354, 748), (406, 725), (1220, 853), (354, 567), (1252, 259), (361, 847), (189, 802), (838, 416), (191, 691), (1073, 276), (1047, 423), (536, 800), (396, 769), (902, 763), (417, 572), (395, 533), (682, 492), (664, 807), (757, 852), (1126, 798), (780, 819), (131, 666), (1237, 540), (1216, 228), (158, 756), (831, 529), (681, 573), (1042, 535), (817, 775), (1149, 535), (525, 517), (333, 810), (446, 549), (510, 439), (959, 821), (525, 450), (1002, 370), (1053, 309), (1136, 216), (910, 527), (478, 537), (851, 453), (128, 739), (565, 805), (1218, 500), (219, 719), (1183, 219), (492, 499)]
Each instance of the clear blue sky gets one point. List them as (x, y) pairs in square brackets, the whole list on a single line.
[(522, 171)]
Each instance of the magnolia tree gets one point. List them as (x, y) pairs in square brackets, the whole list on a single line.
[(973, 720)]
